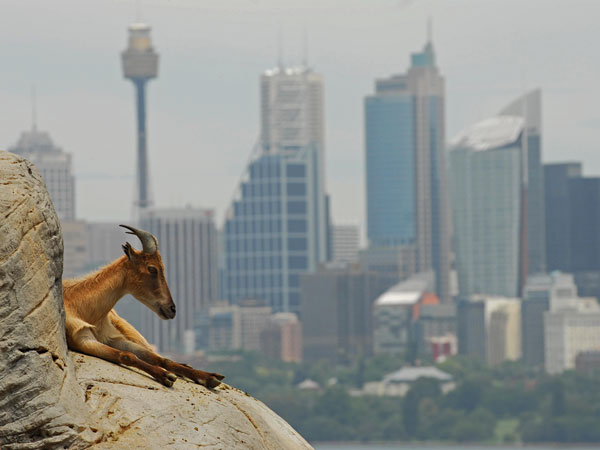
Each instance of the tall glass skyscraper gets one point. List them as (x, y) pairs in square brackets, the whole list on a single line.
[(276, 226), (529, 107), (407, 204), (485, 169)]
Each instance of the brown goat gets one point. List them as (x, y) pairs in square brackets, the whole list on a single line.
[(93, 326)]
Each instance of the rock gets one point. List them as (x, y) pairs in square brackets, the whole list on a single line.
[(53, 398), (41, 403), (134, 411)]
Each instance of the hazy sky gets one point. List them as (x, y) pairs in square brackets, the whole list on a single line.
[(203, 115)]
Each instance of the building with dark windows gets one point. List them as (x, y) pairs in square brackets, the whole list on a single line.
[(337, 304), (277, 226), (472, 336), (406, 180), (557, 207)]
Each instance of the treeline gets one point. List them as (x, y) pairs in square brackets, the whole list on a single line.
[(508, 403)]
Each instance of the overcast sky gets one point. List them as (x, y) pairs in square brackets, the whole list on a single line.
[(203, 110)]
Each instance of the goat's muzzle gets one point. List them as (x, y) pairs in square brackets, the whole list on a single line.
[(168, 312)]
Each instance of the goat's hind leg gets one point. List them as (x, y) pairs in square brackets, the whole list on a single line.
[(85, 342), (210, 380)]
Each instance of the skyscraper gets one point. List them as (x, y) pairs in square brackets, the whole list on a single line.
[(140, 64), (54, 165), (556, 210), (187, 242), (485, 168), (533, 245), (344, 243), (407, 205), (276, 226)]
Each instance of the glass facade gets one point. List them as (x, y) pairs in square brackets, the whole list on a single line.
[(271, 234), (486, 202), (390, 149)]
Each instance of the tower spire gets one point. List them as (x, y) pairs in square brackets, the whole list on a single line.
[(280, 47), (429, 29), (33, 109), (304, 47)]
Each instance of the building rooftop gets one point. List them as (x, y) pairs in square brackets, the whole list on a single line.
[(407, 292), (495, 132), (410, 374)]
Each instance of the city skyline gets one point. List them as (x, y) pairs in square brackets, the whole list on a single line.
[(195, 124)]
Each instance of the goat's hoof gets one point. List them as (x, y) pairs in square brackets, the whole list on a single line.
[(218, 376), (171, 376), (212, 382)]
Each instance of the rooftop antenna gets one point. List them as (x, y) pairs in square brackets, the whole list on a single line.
[(304, 47), (280, 47), (429, 29), (33, 109)]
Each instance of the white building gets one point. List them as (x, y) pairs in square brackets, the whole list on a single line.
[(187, 241), (397, 384), (569, 331), (345, 242), (54, 165)]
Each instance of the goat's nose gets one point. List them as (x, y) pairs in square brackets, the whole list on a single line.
[(173, 309)]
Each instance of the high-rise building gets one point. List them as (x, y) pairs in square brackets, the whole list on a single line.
[(336, 313), (542, 292), (282, 338), (54, 165), (140, 64), (407, 204), (557, 211), (533, 242), (187, 242), (570, 331), (344, 243), (489, 328), (276, 227), (485, 167)]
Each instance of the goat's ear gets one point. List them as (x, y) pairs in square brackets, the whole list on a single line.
[(127, 250)]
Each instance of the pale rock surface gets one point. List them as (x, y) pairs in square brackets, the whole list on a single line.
[(53, 398)]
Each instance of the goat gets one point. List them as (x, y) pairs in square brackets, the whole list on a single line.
[(93, 327)]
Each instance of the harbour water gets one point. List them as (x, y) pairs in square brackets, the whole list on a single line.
[(326, 446)]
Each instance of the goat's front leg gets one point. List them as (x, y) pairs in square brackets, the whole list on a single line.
[(90, 346), (208, 379)]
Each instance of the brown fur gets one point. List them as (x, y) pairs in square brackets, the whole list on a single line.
[(93, 327)]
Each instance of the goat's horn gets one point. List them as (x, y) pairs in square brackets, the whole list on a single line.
[(149, 241)]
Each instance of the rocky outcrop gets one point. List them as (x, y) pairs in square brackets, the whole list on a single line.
[(41, 403), (53, 398)]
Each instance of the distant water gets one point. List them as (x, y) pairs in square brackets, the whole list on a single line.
[(447, 447)]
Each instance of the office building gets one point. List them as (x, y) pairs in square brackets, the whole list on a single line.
[(187, 243), (406, 180), (282, 338), (557, 208), (486, 192), (344, 243), (489, 328), (55, 167), (533, 243), (570, 332), (395, 312), (336, 313), (140, 64), (543, 292), (436, 328), (76, 251), (277, 226)]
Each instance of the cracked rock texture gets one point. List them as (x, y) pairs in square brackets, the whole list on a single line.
[(53, 398)]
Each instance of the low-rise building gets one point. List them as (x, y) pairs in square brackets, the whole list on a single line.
[(282, 338), (395, 311), (397, 384)]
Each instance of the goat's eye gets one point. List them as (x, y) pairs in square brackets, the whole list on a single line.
[(152, 270)]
